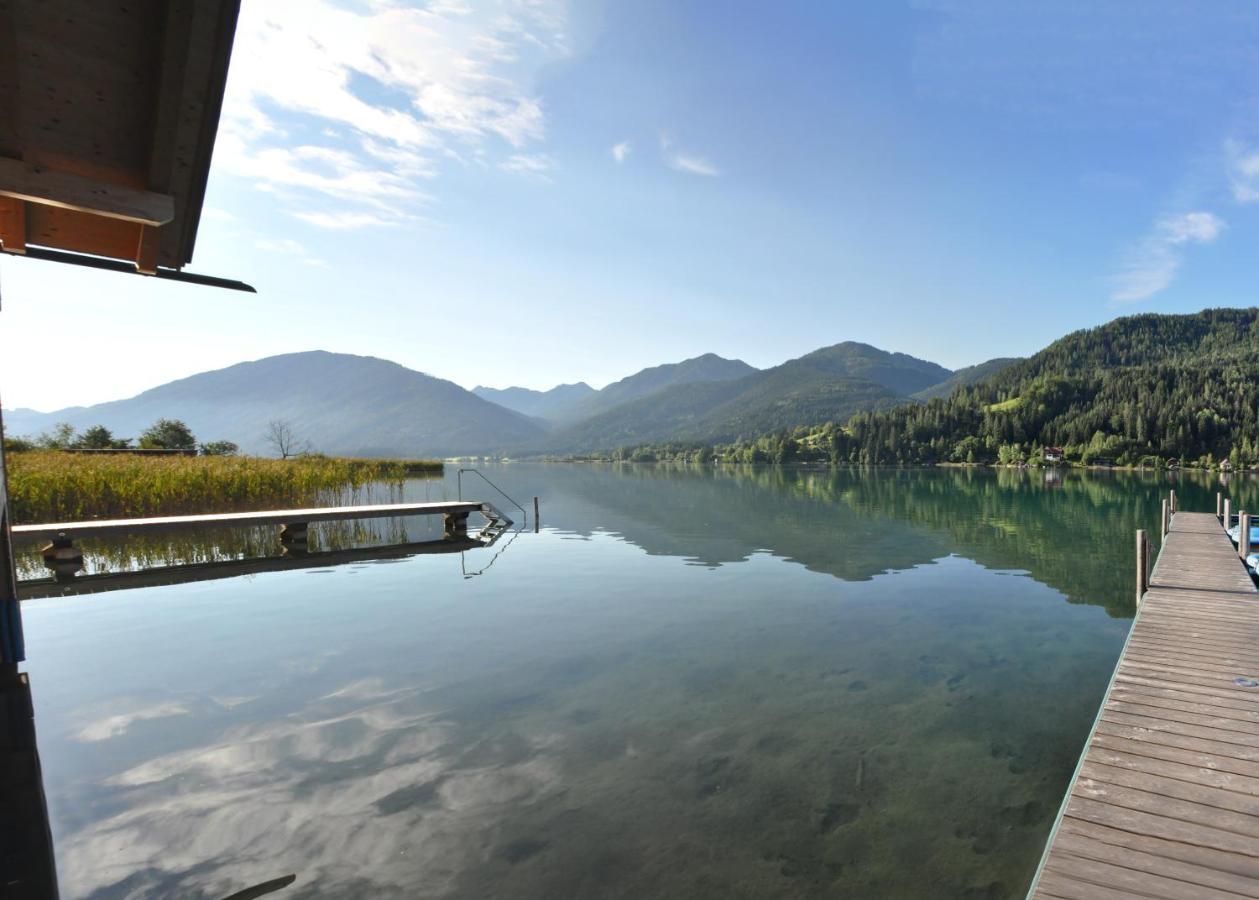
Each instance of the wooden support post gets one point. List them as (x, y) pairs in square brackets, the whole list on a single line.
[(62, 557), (1171, 501), (1165, 521), (456, 524), (12, 225), (535, 515), (1219, 505), (12, 649), (1228, 515), (1143, 557), (293, 537), (1243, 534)]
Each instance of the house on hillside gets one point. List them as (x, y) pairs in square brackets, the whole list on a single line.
[(1054, 455), (1226, 465), (1173, 463)]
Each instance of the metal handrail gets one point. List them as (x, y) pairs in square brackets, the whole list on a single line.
[(478, 473)]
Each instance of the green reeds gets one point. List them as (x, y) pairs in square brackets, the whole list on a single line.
[(51, 486)]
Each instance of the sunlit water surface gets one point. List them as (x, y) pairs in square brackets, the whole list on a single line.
[(690, 683)]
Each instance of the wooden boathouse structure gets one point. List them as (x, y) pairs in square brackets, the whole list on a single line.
[(1165, 800)]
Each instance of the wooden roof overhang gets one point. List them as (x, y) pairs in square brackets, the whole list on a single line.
[(108, 114)]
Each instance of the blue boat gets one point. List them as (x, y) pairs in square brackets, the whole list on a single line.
[(1254, 534)]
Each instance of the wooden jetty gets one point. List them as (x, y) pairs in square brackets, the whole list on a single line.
[(1165, 801), (64, 558)]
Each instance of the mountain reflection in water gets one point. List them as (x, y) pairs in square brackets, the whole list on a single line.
[(868, 686)]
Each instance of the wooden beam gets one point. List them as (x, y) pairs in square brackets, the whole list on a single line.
[(66, 191), (12, 225), (146, 253)]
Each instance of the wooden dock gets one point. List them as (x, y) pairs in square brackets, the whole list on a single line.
[(106, 527), (66, 560), (1165, 801)]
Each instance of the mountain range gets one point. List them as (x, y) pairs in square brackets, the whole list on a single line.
[(355, 405)]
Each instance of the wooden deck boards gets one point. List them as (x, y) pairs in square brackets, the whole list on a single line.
[(1165, 803)]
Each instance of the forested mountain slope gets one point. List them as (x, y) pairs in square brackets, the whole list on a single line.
[(1183, 386)]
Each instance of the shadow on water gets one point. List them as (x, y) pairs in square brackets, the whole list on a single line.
[(693, 682)]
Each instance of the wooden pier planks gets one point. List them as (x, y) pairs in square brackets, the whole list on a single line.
[(1165, 803)]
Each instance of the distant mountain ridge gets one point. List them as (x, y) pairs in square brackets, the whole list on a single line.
[(829, 384), (700, 369), (550, 405), (354, 405), (341, 404)]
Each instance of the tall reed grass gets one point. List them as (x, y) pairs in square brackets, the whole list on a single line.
[(51, 486)]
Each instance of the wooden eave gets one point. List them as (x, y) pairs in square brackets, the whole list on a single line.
[(108, 114)]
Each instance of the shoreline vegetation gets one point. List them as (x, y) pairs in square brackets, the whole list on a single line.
[(53, 485)]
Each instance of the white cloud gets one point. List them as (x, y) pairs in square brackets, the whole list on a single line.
[(685, 162), (695, 165), (525, 164), (1153, 263), (283, 245), (112, 726), (1243, 171), (1190, 228), (289, 247), (352, 108), (344, 220), (621, 151)]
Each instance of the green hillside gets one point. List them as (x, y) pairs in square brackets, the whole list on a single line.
[(965, 377), (1162, 386)]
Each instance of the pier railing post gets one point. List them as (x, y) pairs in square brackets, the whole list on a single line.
[(1219, 505), (1243, 534), (1165, 521), (1171, 501), (1143, 556), (1228, 515)]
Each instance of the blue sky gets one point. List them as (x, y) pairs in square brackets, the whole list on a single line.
[(533, 192)]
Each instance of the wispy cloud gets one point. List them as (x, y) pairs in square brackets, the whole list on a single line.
[(1152, 265), (621, 151), (343, 220), (289, 247), (351, 110), (112, 726), (536, 165), (1243, 171), (685, 162)]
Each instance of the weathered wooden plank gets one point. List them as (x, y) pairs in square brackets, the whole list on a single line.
[(1080, 863), (1162, 711), (1160, 804), (1216, 694), (1193, 835), (1186, 767), (66, 190), (1212, 867), (1163, 700), (1141, 778)]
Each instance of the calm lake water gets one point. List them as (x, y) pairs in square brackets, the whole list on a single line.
[(692, 683)]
